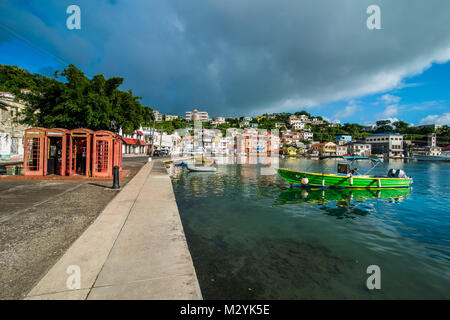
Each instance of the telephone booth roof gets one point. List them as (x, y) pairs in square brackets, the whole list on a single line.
[(105, 132), (82, 131), (56, 130), (35, 130), (109, 133)]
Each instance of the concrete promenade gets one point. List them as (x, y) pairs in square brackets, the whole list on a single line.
[(135, 249)]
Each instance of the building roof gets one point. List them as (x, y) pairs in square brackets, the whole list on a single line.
[(320, 144), (134, 142)]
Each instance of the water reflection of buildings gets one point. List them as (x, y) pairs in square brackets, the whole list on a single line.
[(253, 142)]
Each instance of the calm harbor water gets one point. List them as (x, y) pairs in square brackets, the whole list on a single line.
[(253, 237)]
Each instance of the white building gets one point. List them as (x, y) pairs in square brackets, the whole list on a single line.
[(164, 141), (359, 149), (11, 133), (389, 144), (158, 116), (134, 143), (293, 119), (298, 125), (341, 150), (217, 121), (316, 121), (197, 116), (306, 135), (169, 117), (303, 118)]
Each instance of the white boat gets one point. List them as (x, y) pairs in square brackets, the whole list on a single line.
[(193, 168), (445, 156)]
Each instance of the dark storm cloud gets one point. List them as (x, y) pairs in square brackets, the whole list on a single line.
[(238, 57)]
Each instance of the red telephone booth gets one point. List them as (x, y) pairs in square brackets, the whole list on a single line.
[(103, 153), (57, 152), (34, 155), (80, 152)]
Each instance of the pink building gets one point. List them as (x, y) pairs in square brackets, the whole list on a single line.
[(254, 143)]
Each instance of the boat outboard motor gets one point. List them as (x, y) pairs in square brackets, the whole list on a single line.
[(392, 173), (400, 174)]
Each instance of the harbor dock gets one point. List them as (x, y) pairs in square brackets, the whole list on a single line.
[(135, 249)]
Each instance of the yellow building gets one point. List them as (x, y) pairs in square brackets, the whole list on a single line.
[(291, 151)]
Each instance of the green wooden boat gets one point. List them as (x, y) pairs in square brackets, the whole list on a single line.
[(311, 179)]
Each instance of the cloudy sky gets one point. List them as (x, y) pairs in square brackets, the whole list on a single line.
[(246, 57)]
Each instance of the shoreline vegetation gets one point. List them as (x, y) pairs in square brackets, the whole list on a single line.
[(72, 100)]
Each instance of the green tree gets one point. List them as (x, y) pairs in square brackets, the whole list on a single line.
[(80, 102), (12, 79), (401, 126), (384, 126)]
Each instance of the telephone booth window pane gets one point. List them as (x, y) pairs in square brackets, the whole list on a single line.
[(102, 153), (33, 153), (73, 156)]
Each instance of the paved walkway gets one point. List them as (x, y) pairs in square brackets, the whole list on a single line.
[(135, 249)]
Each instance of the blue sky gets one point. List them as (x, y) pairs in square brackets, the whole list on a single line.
[(247, 57), (422, 99)]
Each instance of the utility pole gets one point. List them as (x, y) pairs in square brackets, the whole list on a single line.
[(153, 136), (160, 140)]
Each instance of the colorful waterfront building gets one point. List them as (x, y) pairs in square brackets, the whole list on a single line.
[(324, 149), (343, 139), (291, 151), (387, 144), (134, 143), (359, 149)]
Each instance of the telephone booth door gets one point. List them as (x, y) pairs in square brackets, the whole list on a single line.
[(56, 142), (102, 154), (34, 155), (80, 154)]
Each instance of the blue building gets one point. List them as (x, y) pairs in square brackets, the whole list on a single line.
[(343, 139)]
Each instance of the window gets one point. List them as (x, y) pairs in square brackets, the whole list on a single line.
[(33, 154)]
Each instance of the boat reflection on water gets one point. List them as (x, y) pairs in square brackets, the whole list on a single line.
[(319, 195)]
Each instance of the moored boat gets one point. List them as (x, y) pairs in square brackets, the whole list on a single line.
[(193, 168), (347, 178), (444, 156), (299, 178)]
